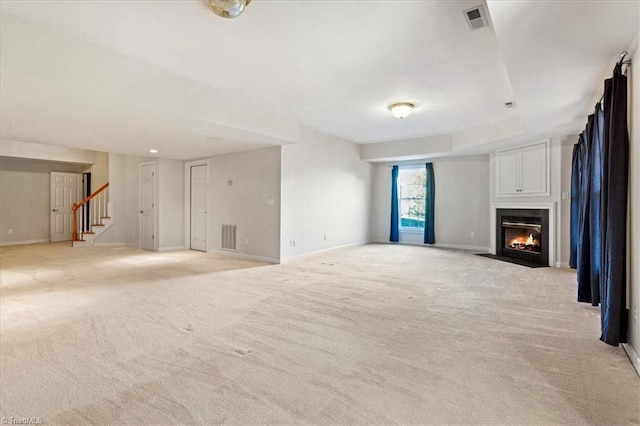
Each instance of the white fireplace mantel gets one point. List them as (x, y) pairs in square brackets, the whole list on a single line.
[(526, 205)]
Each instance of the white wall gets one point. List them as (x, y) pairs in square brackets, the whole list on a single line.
[(170, 204), (116, 234), (326, 192), (634, 209), (241, 188), (25, 199), (461, 203), (37, 151)]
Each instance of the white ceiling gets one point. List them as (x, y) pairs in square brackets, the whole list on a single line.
[(132, 75)]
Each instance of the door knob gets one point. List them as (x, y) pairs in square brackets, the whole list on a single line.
[(54, 210), (141, 211)]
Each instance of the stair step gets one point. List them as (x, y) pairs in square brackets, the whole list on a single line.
[(88, 233), (97, 224)]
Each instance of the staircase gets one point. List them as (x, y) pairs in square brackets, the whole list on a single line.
[(91, 218)]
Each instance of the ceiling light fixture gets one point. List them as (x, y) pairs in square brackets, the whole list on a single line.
[(228, 8), (153, 151), (401, 109)]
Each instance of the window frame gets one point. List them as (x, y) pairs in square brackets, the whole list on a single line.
[(408, 229)]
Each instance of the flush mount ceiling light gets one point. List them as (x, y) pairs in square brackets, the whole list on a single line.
[(228, 8), (153, 151), (401, 109)]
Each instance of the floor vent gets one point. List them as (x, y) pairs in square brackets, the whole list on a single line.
[(476, 17), (229, 237)]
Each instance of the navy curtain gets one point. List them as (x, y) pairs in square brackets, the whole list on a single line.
[(596, 131), (583, 254), (394, 237), (615, 166), (429, 206), (599, 184)]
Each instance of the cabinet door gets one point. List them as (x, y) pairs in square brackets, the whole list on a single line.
[(507, 166), (534, 170)]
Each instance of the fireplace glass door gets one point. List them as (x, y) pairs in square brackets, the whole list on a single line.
[(522, 236)]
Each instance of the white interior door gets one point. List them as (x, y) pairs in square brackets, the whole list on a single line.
[(66, 189), (147, 206), (198, 220)]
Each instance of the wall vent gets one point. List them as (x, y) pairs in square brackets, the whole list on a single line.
[(228, 241), (509, 104), (476, 17)]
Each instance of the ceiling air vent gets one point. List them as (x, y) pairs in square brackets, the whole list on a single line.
[(509, 104), (476, 17)]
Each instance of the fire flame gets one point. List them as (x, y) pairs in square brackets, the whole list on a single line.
[(523, 242)]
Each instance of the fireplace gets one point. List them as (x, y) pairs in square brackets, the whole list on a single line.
[(523, 235)]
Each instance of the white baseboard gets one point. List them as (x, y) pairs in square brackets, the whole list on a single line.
[(109, 244), (482, 249), (245, 256), (562, 264), (19, 243), (633, 356), (171, 248)]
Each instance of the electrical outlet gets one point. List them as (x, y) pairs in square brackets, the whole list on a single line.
[(246, 241), (635, 315), (10, 231), (473, 234), (325, 237)]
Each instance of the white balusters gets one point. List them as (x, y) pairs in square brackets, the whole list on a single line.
[(91, 210)]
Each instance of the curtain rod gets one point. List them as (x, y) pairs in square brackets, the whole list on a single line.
[(620, 62)]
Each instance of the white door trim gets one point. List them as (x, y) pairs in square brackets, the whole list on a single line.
[(187, 200), (67, 198), (155, 202)]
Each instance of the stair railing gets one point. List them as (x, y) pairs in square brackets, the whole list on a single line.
[(91, 212)]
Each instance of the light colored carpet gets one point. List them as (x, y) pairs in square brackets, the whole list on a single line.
[(379, 334)]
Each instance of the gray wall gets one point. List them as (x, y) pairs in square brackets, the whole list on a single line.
[(566, 152), (326, 194), (462, 202), (25, 187), (124, 197), (170, 204), (99, 171), (240, 188)]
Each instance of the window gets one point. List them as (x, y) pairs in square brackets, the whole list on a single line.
[(411, 187)]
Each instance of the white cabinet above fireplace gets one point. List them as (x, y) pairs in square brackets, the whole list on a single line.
[(523, 171)]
